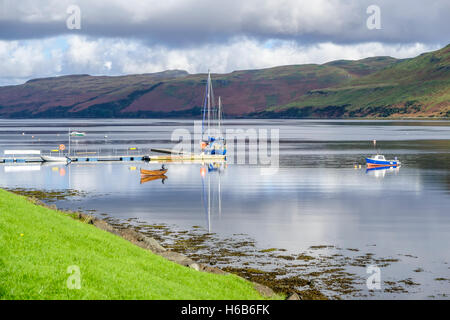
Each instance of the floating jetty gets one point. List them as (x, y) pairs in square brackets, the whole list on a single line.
[(33, 156), (175, 156), (188, 158), (87, 158), (94, 158), (127, 158), (21, 160)]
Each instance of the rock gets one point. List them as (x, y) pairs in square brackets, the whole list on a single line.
[(263, 290), (194, 266), (86, 218), (101, 224), (210, 269), (153, 245), (131, 235), (177, 258), (293, 296)]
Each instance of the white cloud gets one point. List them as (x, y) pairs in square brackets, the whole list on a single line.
[(135, 36), (22, 60), (108, 65)]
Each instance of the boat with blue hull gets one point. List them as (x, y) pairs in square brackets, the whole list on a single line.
[(380, 161)]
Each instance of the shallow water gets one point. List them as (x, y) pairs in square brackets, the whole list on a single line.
[(316, 197)]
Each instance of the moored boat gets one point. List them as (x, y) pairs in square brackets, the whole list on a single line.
[(213, 141), (380, 161), (77, 134), (55, 159), (159, 172)]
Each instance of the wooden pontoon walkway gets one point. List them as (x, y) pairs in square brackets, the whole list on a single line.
[(126, 158)]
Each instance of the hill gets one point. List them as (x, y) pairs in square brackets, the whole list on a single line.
[(418, 87), (371, 87)]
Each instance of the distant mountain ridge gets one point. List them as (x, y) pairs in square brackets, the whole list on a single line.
[(371, 87), (417, 87)]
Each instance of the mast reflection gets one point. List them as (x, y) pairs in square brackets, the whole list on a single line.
[(211, 189)]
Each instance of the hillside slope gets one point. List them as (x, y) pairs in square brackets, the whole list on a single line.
[(413, 87), (175, 93)]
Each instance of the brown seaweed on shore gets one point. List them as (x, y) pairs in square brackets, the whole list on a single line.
[(49, 196)]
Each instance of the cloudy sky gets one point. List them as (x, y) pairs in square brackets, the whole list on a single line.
[(136, 36)]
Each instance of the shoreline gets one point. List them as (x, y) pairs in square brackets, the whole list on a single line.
[(148, 244), (229, 117), (44, 251), (322, 272)]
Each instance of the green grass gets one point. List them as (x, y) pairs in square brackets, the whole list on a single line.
[(37, 245)]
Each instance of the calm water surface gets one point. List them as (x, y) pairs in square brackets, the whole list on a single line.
[(317, 197)]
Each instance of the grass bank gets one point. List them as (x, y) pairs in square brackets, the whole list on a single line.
[(38, 245)]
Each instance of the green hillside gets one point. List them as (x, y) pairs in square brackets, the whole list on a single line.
[(176, 93), (413, 87)]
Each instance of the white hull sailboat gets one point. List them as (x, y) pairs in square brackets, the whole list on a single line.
[(213, 141), (77, 134), (55, 159)]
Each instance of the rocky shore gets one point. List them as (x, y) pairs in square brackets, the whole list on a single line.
[(320, 272), (155, 247)]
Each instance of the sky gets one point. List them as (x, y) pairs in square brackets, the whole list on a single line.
[(44, 38)]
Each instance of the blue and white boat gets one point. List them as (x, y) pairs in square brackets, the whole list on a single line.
[(380, 161)]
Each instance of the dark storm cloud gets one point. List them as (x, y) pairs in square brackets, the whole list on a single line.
[(189, 23), (15, 30)]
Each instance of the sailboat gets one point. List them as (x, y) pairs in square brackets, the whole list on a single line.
[(61, 159), (212, 141), (77, 134)]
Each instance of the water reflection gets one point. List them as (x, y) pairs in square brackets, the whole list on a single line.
[(380, 172), (211, 191), (21, 168), (145, 179)]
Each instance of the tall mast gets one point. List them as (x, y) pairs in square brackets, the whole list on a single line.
[(219, 116), (209, 102), (69, 143), (220, 199)]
